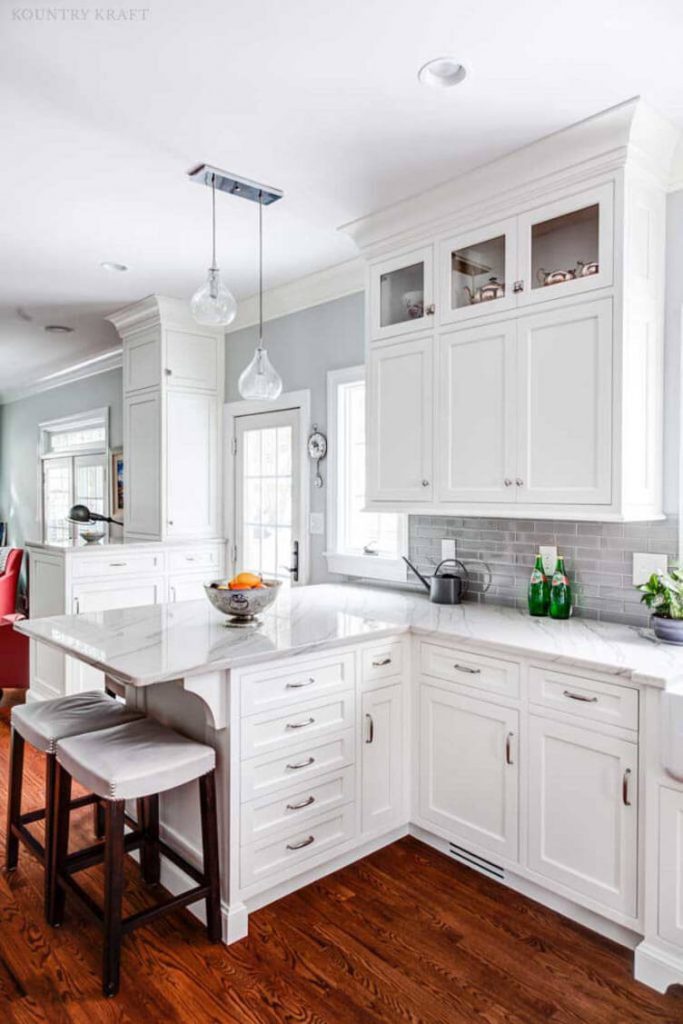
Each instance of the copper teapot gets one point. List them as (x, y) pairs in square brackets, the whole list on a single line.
[(546, 277), (493, 289)]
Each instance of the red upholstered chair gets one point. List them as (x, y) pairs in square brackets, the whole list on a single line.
[(9, 581), (13, 655)]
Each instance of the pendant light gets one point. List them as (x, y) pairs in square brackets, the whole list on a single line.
[(260, 380), (213, 304)]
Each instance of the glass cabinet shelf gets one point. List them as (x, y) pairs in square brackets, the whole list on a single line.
[(478, 273), (402, 295), (565, 248)]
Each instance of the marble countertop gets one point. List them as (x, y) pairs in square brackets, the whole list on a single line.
[(141, 646)]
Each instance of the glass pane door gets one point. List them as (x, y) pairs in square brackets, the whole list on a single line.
[(56, 499), (401, 294), (478, 271)]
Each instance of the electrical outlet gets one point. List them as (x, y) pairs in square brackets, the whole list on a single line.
[(316, 523), (549, 556), (644, 564), (447, 548)]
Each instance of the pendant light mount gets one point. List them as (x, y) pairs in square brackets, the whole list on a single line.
[(243, 188)]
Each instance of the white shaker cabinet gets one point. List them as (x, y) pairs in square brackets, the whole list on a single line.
[(671, 865), (399, 421), (468, 773), (192, 501), (382, 758), (583, 817), (401, 294)]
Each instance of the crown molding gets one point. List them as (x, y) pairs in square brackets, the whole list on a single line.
[(158, 311), (104, 363)]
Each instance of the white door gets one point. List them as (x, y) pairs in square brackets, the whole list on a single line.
[(476, 413), (267, 449), (478, 270), (468, 770), (565, 405), (401, 294), (671, 865), (382, 758), (399, 421), (583, 811), (192, 481)]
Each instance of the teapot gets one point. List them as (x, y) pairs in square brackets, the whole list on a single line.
[(588, 269), (546, 277), (492, 290)]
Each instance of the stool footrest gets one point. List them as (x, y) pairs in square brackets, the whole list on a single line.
[(91, 855), (19, 830), (200, 892), (30, 817)]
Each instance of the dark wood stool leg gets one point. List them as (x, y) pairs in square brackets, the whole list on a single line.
[(113, 893), (98, 820), (50, 828), (207, 801), (16, 776), (56, 854), (148, 821)]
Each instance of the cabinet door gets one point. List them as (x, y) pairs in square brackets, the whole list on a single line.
[(671, 865), (476, 414), (582, 812), (382, 758), (570, 235), (468, 770), (192, 469), (399, 421), (401, 294), (565, 405), (477, 272), (192, 360), (141, 426)]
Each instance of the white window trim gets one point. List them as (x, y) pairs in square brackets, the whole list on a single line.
[(90, 416), (370, 567)]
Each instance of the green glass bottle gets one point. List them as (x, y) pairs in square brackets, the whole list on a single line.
[(539, 590), (560, 592)]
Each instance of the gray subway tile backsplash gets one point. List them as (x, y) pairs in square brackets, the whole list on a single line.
[(598, 557)]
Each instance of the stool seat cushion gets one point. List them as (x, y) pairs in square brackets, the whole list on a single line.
[(135, 760), (43, 723)]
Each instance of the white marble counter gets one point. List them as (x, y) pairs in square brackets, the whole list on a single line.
[(141, 646)]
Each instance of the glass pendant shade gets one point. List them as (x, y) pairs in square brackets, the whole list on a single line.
[(260, 380), (213, 304)]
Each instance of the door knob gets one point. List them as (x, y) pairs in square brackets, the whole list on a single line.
[(507, 482), (425, 483)]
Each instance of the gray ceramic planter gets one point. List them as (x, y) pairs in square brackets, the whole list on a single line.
[(669, 630)]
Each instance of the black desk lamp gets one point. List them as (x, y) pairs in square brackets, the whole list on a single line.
[(82, 516)]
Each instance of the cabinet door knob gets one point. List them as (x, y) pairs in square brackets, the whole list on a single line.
[(425, 483), (168, 372), (507, 481), (519, 482), (518, 286), (430, 310), (170, 522)]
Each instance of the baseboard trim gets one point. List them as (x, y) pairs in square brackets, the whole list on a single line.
[(657, 967)]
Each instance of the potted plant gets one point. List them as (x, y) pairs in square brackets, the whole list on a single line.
[(663, 595)]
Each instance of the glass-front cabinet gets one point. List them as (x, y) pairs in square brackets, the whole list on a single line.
[(402, 294), (478, 271)]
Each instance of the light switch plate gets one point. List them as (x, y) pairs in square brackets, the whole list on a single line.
[(316, 523), (447, 548), (549, 556), (645, 563)]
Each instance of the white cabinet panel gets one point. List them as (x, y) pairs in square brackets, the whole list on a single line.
[(187, 588), (382, 758), (478, 263), (142, 422), (671, 865), (468, 772), (582, 812), (565, 405), (192, 360), (192, 472), (476, 414), (399, 421)]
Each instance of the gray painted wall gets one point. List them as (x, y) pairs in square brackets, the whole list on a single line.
[(303, 347), (19, 435)]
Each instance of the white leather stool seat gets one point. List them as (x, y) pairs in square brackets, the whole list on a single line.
[(135, 760), (44, 723)]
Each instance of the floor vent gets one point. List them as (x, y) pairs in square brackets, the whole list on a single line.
[(473, 860)]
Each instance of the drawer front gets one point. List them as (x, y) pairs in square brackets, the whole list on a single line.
[(294, 682), (114, 564), (584, 697), (474, 670), (382, 662), (289, 854), (193, 559), (274, 815), (269, 774), (279, 730)]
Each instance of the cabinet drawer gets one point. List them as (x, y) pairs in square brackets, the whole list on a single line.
[(191, 559), (113, 564), (294, 682), (288, 854), (584, 697), (382, 662), (475, 670), (279, 730), (273, 815), (270, 773)]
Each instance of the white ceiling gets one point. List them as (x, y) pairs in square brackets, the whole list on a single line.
[(99, 122)]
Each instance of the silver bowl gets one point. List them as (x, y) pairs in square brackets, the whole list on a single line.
[(242, 606)]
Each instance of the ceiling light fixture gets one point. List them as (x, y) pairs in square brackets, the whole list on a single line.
[(260, 380), (442, 73), (213, 304), (109, 265), (58, 329)]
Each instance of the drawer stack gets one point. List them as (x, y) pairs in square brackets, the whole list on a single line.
[(297, 773)]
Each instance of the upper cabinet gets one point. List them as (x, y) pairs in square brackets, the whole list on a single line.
[(477, 272), (402, 294)]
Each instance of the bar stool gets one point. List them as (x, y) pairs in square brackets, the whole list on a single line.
[(43, 724), (133, 762)]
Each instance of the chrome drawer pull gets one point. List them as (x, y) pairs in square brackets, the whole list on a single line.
[(296, 686), (301, 764), (371, 728), (380, 662), (579, 696), (470, 671), (189, 558), (300, 846), (299, 725), (117, 565), (304, 803), (624, 788)]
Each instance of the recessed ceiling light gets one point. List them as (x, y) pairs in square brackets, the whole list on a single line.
[(108, 265), (441, 73), (59, 329)]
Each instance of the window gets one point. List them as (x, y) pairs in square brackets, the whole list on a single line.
[(368, 544), (73, 463)]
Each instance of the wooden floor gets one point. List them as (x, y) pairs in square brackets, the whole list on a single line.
[(404, 936)]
